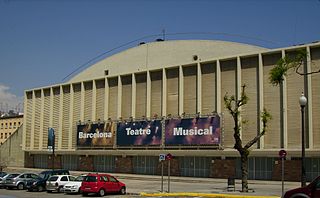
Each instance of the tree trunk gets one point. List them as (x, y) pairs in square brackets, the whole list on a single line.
[(244, 169)]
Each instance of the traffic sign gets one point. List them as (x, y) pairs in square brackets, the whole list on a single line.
[(162, 157), (282, 153), (169, 156)]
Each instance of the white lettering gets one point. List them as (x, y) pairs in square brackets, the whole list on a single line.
[(138, 131), (97, 134), (194, 131)]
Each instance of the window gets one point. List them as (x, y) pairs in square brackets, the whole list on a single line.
[(5, 135), (64, 178), (112, 179), (1, 125)]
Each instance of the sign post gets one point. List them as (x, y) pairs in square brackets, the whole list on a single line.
[(282, 155), (51, 142), (169, 157), (162, 157)]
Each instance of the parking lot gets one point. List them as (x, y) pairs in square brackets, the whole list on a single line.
[(4, 193)]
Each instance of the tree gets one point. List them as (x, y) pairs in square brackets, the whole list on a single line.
[(286, 63), (234, 107)]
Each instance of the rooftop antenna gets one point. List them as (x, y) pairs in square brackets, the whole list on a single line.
[(164, 34)]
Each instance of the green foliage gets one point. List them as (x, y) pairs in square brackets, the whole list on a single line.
[(277, 74)]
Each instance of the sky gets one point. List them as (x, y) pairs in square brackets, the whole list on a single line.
[(45, 42)]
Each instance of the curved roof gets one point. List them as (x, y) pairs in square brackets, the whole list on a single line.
[(156, 55)]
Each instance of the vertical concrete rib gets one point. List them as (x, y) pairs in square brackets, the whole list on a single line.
[(148, 94), (94, 100), (33, 120), (309, 106), (218, 83), (199, 88), (133, 95), (24, 134), (82, 102), (41, 120), (60, 117), (261, 102), (284, 102), (119, 97), (106, 99), (71, 121), (164, 92), (239, 85), (181, 90)]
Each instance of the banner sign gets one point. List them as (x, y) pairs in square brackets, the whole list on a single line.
[(139, 133), (193, 131), (96, 135), (51, 139)]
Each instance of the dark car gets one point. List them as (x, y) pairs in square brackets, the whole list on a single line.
[(310, 191), (40, 184)]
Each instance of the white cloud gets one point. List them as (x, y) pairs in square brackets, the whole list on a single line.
[(9, 101)]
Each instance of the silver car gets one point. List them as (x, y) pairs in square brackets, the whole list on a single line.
[(3, 176), (19, 181)]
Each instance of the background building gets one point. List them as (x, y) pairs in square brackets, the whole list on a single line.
[(9, 123), (157, 82)]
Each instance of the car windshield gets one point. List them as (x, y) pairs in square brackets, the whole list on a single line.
[(90, 179), (79, 178), (12, 176), (2, 174), (53, 178)]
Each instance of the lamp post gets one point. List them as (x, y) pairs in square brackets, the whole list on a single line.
[(303, 103)]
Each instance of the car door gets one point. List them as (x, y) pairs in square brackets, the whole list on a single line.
[(113, 183), (105, 183)]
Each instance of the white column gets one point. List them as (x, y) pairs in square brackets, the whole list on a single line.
[(82, 103), (181, 91), (94, 100), (199, 88), (106, 99), (60, 118), (164, 92), (218, 91), (148, 94), (25, 107), (41, 121), (261, 103), (72, 122), (285, 107), (119, 114), (33, 120), (309, 105), (133, 95)]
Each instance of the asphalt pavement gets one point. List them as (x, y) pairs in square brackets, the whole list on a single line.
[(153, 185)]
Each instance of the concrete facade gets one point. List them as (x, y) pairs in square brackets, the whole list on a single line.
[(175, 78)]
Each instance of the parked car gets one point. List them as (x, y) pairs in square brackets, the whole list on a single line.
[(40, 184), (73, 186), (3, 176), (56, 182), (101, 184), (19, 181), (310, 191)]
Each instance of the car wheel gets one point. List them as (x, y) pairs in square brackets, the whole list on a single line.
[(123, 191), (101, 192), (20, 186), (60, 189), (40, 188)]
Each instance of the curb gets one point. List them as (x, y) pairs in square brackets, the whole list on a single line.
[(189, 194)]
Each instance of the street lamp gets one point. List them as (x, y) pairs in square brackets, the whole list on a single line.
[(303, 103)]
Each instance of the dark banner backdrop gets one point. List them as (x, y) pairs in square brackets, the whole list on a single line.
[(96, 135), (193, 131), (139, 133)]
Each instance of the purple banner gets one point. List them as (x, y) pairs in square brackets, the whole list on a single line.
[(139, 133), (193, 131), (96, 135)]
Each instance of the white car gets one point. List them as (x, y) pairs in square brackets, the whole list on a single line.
[(56, 182), (73, 186)]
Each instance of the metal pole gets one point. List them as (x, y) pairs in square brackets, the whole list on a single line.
[(303, 170), (162, 176), (168, 176), (282, 174)]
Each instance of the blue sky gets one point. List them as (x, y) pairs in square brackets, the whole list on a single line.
[(43, 41)]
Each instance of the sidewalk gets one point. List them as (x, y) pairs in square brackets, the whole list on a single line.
[(189, 186)]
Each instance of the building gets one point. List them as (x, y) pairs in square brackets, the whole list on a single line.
[(8, 125), (122, 113)]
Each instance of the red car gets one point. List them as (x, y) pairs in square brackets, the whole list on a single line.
[(310, 191), (101, 184)]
